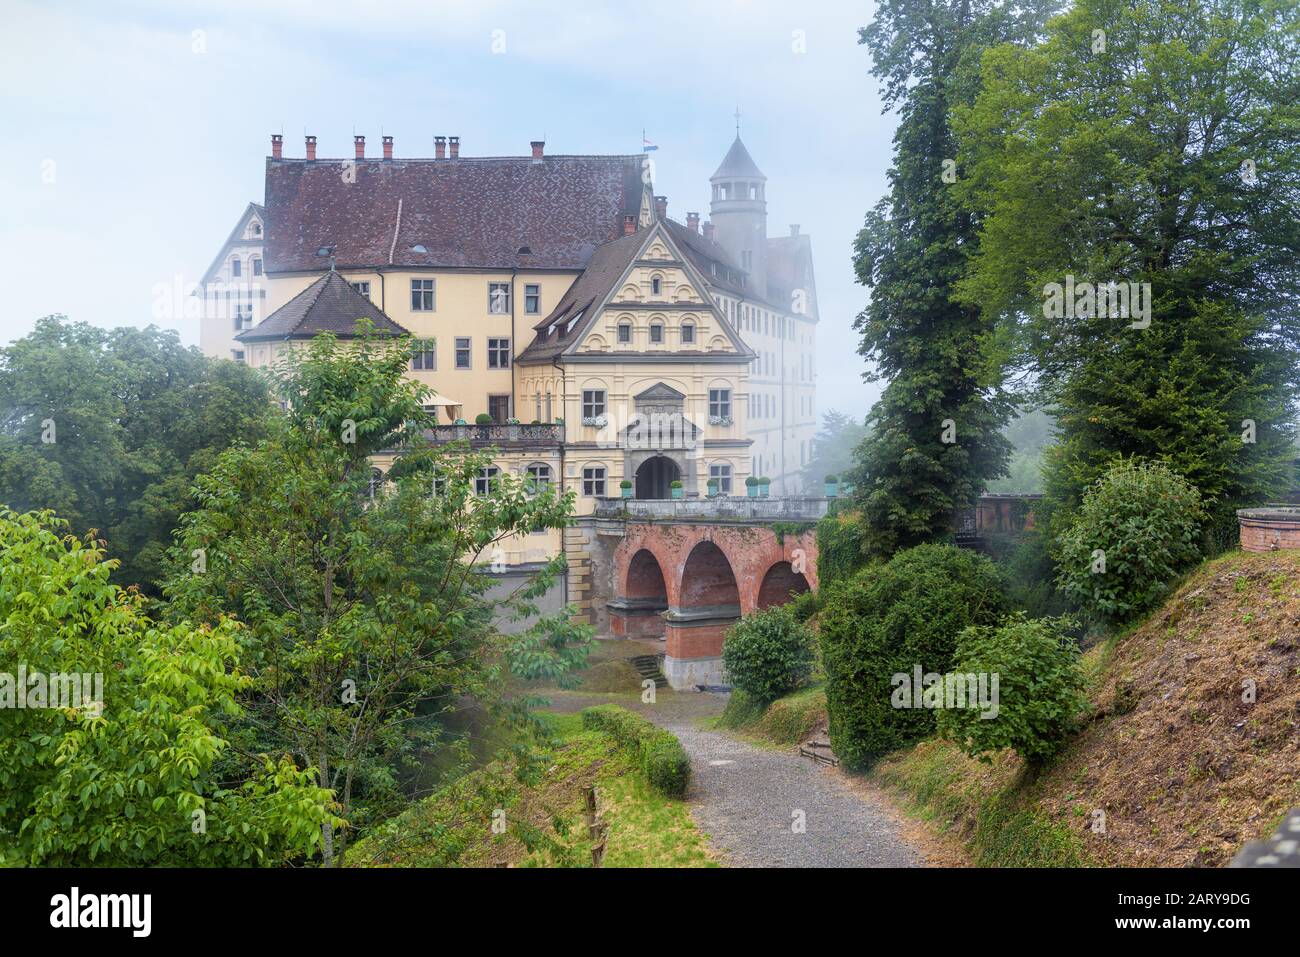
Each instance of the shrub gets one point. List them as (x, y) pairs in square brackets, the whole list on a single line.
[(1030, 575), (887, 620), (1039, 689), (626, 483), (751, 482), (1138, 527), (768, 654), (803, 606), (482, 419), (831, 479), (839, 547), (663, 759)]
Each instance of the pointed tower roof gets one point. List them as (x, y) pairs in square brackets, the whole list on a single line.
[(738, 162)]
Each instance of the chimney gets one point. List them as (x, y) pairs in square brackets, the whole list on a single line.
[(360, 143), (311, 149), (661, 207), (277, 145), (708, 231), (537, 146), (388, 147), (454, 141), (693, 222), (629, 225), (440, 147), (794, 229)]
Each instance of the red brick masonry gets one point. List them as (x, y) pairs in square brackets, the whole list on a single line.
[(1269, 529)]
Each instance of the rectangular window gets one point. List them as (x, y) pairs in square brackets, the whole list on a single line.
[(720, 403), (462, 352), (593, 403), (363, 287), (257, 267), (624, 332), (593, 480), (498, 353), (498, 298), (723, 474), (486, 480), (237, 355), (656, 332), (422, 295), (426, 357), (499, 408), (532, 298), (688, 333)]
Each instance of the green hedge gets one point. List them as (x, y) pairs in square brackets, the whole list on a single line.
[(839, 547), (662, 756), (887, 620)]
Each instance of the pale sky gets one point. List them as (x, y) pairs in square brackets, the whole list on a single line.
[(135, 132)]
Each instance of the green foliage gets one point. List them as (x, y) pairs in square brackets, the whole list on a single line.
[(887, 620), (1030, 435), (803, 606), (367, 616), (1171, 159), (832, 449), (1039, 690), (768, 653), (1030, 573), (482, 419), (1146, 521), (943, 358), (662, 757), (839, 547), (135, 417), (146, 776)]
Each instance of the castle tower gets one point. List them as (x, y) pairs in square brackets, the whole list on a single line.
[(739, 213)]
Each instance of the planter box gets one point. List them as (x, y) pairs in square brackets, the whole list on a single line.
[(831, 488), (677, 492)]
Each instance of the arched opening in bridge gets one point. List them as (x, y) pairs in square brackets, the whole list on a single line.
[(780, 584), (707, 579), (655, 477), (645, 579)]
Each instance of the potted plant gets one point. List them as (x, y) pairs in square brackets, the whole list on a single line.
[(712, 485), (460, 422), (751, 487), (512, 429), (764, 486), (482, 419), (626, 486), (677, 488), (832, 485)]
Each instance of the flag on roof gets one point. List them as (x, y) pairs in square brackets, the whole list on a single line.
[(646, 145)]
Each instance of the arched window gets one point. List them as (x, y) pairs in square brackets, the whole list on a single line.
[(538, 477), (257, 267), (656, 332), (688, 333), (624, 332), (236, 267), (656, 286)]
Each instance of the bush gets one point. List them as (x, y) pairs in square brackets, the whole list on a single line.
[(482, 419), (803, 607), (768, 654), (1030, 575), (839, 548), (1138, 527), (1039, 689), (887, 620), (663, 759)]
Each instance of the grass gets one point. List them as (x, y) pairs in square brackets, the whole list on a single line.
[(782, 723), (538, 812)]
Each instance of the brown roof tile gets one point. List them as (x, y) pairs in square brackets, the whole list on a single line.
[(466, 212), (330, 304)]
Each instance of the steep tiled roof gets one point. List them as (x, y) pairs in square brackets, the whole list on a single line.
[(704, 253), (466, 212), (330, 304), (789, 267), (589, 290), (738, 162)]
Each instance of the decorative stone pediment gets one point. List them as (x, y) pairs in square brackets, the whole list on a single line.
[(659, 398)]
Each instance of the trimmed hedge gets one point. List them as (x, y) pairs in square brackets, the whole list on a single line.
[(768, 653), (663, 759), (887, 620)]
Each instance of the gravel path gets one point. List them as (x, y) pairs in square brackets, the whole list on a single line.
[(750, 800)]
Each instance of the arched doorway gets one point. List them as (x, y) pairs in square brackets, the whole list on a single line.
[(780, 584), (707, 579), (645, 579), (655, 476)]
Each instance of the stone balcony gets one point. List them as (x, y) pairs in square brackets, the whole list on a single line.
[(499, 436), (733, 508)]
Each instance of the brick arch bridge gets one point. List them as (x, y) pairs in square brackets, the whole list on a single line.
[(672, 570)]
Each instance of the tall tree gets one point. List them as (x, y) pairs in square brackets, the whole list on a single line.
[(109, 427), (832, 450), (1155, 146), (936, 432), (366, 610)]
